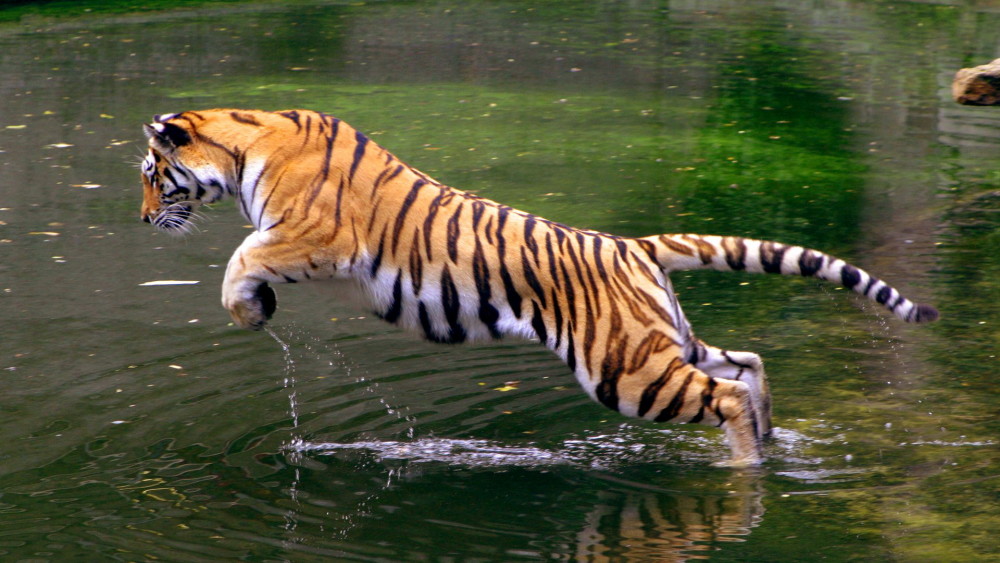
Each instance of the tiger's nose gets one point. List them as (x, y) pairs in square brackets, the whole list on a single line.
[(146, 218)]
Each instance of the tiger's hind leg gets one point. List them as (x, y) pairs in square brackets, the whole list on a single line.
[(682, 393), (740, 366)]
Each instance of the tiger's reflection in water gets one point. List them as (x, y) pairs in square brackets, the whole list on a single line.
[(648, 526)]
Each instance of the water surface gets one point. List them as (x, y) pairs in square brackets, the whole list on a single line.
[(139, 424)]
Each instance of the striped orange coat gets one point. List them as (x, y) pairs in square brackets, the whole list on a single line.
[(327, 202)]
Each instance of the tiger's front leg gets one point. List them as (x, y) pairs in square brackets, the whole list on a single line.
[(245, 291)]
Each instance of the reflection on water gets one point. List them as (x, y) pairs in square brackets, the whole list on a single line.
[(631, 520), (647, 526), (138, 425)]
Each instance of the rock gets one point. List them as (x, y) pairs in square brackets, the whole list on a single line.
[(978, 86)]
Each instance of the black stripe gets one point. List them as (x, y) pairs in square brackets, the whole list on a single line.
[(488, 231), (611, 369), (452, 302), (570, 293), (169, 175), (570, 349), (488, 314), (810, 262), (849, 276), (531, 278), (557, 313), (513, 296), (246, 118), (872, 280), (454, 230), (576, 266), (359, 153), (174, 134), (478, 208), (309, 128), (529, 237), (538, 323), (337, 223), (294, 116), (622, 249), (697, 418), (652, 391), (425, 323), (649, 248), (432, 212), (553, 273), (706, 402), (416, 265), (560, 235), (401, 216), (649, 395), (386, 179), (377, 261), (240, 166), (590, 276), (736, 257), (320, 179), (599, 260), (771, 255), (396, 307), (673, 409), (883, 295)]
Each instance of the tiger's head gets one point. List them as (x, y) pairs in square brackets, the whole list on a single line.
[(179, 173)]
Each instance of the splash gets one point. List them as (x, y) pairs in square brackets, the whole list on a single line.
[(310, 350), (468, 453), (630, 445), (289, 377)]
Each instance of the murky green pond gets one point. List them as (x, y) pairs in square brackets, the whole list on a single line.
[(137, 424)]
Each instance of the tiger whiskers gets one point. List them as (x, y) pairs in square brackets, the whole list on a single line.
[(136, 160), (178, 219)]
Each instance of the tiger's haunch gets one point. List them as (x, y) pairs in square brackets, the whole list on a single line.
[(327, 202)]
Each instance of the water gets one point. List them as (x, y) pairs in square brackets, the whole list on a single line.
[(139, 424)]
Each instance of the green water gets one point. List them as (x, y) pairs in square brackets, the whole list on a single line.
[(138, 425)]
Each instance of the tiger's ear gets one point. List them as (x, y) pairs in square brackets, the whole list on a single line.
[(166, 137)]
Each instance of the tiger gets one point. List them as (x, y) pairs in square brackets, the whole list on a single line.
[(326, 202)]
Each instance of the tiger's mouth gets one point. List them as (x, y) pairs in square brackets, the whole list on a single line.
[(174, 219)]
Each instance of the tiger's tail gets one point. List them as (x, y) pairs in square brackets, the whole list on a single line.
[(697, 252)]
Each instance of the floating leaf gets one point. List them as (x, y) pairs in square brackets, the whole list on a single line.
[(45, 233), (168, 282)]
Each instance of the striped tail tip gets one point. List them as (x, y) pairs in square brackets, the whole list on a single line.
[(923, 314)]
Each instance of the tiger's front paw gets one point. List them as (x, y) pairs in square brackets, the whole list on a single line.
[(251, 308)]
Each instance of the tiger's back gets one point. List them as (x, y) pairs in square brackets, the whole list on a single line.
[(328, 202)]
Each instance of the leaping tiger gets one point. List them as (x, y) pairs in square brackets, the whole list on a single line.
[(327, 202)]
